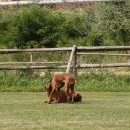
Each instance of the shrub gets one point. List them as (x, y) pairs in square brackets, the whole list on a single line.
[(6, 17), (37, 26), (113, 21), (79, 23)]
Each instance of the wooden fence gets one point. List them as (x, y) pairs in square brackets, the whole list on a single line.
[(75, 51), (44, 2)]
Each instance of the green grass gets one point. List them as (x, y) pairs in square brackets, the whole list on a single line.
[(30, 82), (103, 82), (97, 111)]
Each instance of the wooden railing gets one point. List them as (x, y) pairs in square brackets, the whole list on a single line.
[(72, 60), (43, 2)]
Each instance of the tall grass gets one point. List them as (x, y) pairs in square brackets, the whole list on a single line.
[(21, 81), (29, 81), (103, 82)]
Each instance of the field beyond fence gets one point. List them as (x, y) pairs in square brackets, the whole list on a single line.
[(102, 68), (72, 62)]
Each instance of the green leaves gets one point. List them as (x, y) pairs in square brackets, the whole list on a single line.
[(35, 26), (114, 23)]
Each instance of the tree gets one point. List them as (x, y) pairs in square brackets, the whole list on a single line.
[(37, 26), (114, 23)]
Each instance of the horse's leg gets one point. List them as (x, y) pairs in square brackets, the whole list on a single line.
[(67, 91), (50, 96), (72, 91)]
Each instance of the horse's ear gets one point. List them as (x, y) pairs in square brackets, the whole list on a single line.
[(48, 87)]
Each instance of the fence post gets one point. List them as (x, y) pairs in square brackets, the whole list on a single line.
[(30, 57), (71, 59), (75, 61)]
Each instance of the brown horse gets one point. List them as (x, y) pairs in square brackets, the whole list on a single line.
[(66, 80), (60, 96)]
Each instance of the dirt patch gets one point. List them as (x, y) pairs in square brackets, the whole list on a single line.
[(75, 5)]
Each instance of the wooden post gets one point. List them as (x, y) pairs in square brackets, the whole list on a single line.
[(70, 59), (30, 57), (128, 52), (75, 61)]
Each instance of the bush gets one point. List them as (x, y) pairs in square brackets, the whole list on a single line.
[(79, 22), (5, 27), (113, 22), (37, 27)]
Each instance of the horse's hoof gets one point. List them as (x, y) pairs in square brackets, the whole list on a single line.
[(45, 101)]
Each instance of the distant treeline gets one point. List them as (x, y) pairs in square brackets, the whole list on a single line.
[(35, 26)]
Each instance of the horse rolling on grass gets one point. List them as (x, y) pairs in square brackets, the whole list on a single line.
[(60, 96), (66, 80)]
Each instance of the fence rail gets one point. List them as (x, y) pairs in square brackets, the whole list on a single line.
[(72, 61), (42, 2), (104, 48), (103, 54), (8, 51), (79, 49)]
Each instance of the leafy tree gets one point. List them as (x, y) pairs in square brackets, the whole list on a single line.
[(79, 23), (37, 26), (5, 26), (114, 23)]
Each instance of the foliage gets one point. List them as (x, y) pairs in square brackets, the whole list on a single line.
[(31, 81), (5, 27), (95, 38), (22, 81), (114, 23), (35, 26), (104, 82), (76, 24)]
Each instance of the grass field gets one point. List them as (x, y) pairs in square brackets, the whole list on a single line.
[(98, 111)]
